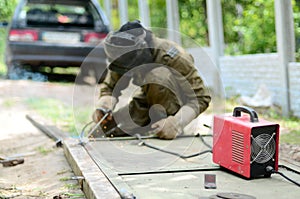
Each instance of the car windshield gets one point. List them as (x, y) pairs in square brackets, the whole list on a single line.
[(42, 14)]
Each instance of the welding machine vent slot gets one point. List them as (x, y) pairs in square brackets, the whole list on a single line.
[(263, 148), (237, 147)]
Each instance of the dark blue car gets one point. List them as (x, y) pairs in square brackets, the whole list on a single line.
[(45, 34)]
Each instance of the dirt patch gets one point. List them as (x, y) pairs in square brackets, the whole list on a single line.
[(45, 172)]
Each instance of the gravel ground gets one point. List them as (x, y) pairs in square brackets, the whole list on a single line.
[(290, 153)]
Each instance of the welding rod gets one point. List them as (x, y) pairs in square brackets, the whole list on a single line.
[(98, 123)]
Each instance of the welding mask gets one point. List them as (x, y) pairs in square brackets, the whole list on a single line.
[(125, 50)]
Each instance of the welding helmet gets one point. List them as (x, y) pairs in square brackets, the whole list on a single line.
[(127, 48)]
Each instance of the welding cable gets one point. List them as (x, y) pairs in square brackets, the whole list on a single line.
[(83, 129), (142, 142), (289, 169), (204, 142), (207, 126), (271, 170)]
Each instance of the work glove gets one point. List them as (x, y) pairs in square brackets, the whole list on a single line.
[(105, 104), (168, 128)]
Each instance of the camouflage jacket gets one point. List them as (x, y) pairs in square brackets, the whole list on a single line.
[(172, 55)]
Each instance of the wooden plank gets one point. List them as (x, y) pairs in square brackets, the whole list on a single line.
[(95, 184)]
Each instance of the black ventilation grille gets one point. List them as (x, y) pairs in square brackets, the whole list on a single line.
[(263, 149)]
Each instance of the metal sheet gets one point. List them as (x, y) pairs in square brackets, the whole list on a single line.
[(127, 156), (147, 173), (191, 185)]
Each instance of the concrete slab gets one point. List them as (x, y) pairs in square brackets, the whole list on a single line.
[(124, 169)]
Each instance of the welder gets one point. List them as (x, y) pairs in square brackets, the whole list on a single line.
[(171, 92)]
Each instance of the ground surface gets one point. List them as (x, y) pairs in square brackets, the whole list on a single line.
[(45, 172)]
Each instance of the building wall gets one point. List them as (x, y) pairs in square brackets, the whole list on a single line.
[(294, 82), (244, 74)]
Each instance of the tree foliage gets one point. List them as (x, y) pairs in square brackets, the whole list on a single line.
[(193, 20), (6, 9), (296, 11), (249, 25)]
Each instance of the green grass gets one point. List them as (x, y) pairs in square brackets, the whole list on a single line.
[(64, 179), (73, 195), (60, 114), (2, 69), (71, 186), (291, 138), (43, 150), (9, 103), (3, 33), (70, 70)]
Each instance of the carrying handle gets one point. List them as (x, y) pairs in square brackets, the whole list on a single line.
[(253, 115)]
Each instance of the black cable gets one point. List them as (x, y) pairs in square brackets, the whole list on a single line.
[(204, 142), (207, 126), (289, 179), (289, 169), (83, 129), (142, 142), (270, 169)]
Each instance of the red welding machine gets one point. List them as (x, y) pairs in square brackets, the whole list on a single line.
[(245, 144)]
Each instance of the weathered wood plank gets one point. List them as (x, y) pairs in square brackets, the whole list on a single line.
[(95, 184)]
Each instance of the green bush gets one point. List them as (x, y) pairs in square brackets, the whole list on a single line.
[(7, 8), (2, 49)]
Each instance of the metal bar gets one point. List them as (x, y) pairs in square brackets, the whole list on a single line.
[(213, 168), (51, 131), (142, 137)]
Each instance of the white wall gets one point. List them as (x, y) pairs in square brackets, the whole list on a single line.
[(294, 81), (244, 74)]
